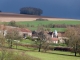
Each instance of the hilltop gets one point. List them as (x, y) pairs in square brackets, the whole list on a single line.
[(6, 17)]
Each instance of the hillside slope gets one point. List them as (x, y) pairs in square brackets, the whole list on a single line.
[(6, 17)]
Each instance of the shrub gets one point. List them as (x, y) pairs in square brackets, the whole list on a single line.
[(63, 48), (12, 23), (40, 19)]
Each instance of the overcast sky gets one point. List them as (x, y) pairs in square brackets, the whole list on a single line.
[(54, 8)]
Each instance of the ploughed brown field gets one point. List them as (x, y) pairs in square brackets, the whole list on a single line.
[(6, 17)]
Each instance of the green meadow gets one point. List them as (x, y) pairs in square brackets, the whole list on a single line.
[(35, 24), (55, 55), (74, 22)]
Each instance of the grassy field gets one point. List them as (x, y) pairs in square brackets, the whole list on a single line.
[(51, 29), (37, 23), (50, 55), (27, 41), (55, 55)]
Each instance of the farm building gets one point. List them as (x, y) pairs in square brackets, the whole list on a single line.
[(24, 32), (57, 37)]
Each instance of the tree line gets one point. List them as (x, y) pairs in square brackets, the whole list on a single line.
[(58, 25), (31, 11), (51, 25)]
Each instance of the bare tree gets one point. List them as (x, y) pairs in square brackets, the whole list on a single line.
[(12, 34), (2, 45), (47, 42), (2, 40), (74, 38), (43, 38)]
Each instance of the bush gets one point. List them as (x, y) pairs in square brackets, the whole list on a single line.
[(12, 23), (29, 38), (63, 48), (40, 19)]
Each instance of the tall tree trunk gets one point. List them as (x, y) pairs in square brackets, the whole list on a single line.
[(39, 47), (11, 44), (16, 45), (75, 49), (75, 53)]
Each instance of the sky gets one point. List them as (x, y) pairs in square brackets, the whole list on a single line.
[(53, 8)]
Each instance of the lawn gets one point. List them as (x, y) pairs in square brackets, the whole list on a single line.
[(27, 41), (55, 55)]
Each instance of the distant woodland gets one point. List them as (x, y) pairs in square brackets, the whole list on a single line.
[(31, 11)]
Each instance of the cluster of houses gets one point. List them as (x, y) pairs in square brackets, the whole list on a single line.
[(57, 37)]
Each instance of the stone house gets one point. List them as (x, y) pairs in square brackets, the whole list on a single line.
[(24, 32)]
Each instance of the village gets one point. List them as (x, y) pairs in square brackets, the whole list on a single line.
[(20, 37), (57, 37), (39, 30)]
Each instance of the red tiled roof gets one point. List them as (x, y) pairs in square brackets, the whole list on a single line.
[(54, 39), (11, 27), (2, 27), (24, 30)]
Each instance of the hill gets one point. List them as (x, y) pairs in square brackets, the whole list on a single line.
[(6, 17)]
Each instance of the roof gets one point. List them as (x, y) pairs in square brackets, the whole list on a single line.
[(24, 30), (11, 27), (2, 27), (54, 39), (61, 34)]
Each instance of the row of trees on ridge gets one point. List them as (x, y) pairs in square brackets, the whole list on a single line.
[(31, 11)]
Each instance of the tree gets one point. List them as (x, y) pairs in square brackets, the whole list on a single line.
[(31, 11), (12, 23), (43, 38), (74, 38), (47, 42), (12, 34), (2, 38), (2, 45), (0, 11)]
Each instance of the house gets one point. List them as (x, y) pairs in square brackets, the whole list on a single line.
[(61, 36), (24, 32), (57, 37), (54, 37), (55, 40), (34, 35)]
